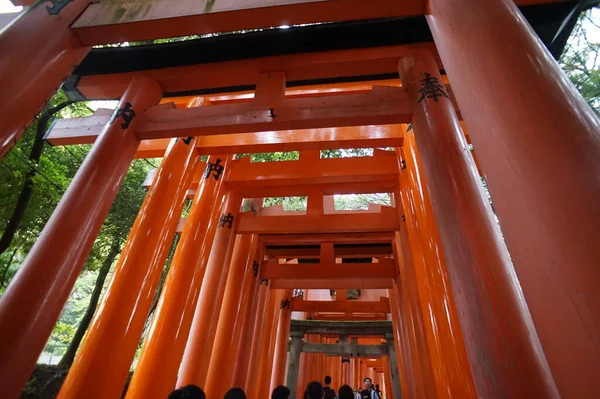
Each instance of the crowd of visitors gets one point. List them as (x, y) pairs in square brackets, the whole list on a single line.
[(314, 390)]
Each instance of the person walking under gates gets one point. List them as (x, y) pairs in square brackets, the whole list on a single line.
[(329, 392), (368, 392)]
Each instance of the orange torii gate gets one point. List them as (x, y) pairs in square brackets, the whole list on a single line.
[(468, 319)]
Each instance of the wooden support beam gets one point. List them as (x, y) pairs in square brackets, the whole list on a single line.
[(362, 329), (383, 105), (86, 130), (328, 270), (339, 238), (385, 221), (347, 283), (133, 20), (345, 349), (371, 251), (118, 21), (350, 317), (301, 305), (324, 175)]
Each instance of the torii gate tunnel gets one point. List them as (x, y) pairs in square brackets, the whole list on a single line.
[(448, 92)]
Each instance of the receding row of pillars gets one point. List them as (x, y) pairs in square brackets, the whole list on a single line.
[(527, 323)]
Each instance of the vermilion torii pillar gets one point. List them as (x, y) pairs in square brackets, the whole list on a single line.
[(102, 363), (220, 371), (198, 350), (259, 388), (38, 52), (496, 326), (452, 371), (33, 301), (156, 371), (538, 144), (282, 340), (252, 299)]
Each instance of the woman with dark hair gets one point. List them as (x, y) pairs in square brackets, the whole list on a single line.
[(314, 390), (188, 392), (235, 393), (346, 392)]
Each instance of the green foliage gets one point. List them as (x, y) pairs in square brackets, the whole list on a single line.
[(581, 60)]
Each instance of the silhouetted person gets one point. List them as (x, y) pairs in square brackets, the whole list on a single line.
[(346, 392), (329, 392), (378, 391), (188, 392), (314, 390), (368, 392), (281, 392), (235, 393)]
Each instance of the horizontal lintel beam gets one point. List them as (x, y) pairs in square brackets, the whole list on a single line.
[(118, 21), (344, 252), (385, 221), (301, 305), (340, 283), (134, 20), (324, 270), (381, 106), (345, 349), (380, 169)]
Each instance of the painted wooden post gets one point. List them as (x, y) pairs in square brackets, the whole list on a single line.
[(496, 325), (538, 144), (33, 301), (156, 371), (198, 350), (102, 363)]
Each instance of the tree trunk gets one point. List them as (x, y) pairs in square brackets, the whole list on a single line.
[(25, 196), (69, 356)]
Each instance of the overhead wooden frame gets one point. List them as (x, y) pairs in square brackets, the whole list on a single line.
[(301, 305), (332, 271), (119, 21), (385, 221), (377, 173)]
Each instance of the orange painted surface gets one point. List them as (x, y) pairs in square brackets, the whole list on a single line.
[(38, 52), (252, 371), (31, 305), (548, 210), (401, 344), (452, 371), (102, 364), (382, 105), (156, 370), (251, 302), (496, 325), (258, 388), (196, 357), (107, 23), (297, 67), (220, 372), (411, 311), (281, 345)]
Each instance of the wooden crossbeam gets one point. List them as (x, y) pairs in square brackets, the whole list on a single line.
[(301, 252), (379, 172), (385, 221), (345, 349), (338, 238), (133, 20), (350, 317), (383, 105), (381, 306), (361, 329), (325, 270), (118, 21), (345, 283), (86, 130)]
